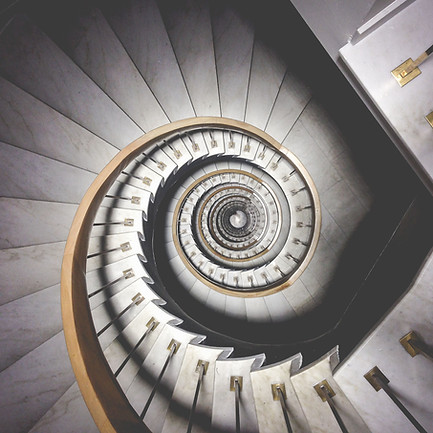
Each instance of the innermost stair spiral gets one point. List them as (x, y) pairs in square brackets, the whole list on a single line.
[(244, 222)]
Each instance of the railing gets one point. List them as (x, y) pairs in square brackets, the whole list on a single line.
[(236, 383), (103, 395), (414, 345), (326, 393), (279, 393), (201, 369), (173, 347), (379, 381)]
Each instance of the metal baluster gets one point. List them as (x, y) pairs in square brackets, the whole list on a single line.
[(236, 383), (129, 222), (414, 345), (151, 325), (173, 347), (201, 369), (379, 381), (128, 273), (279, 394), (136, 300), (326, 393)]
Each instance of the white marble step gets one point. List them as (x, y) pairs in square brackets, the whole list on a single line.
[(33, 62), (269, 412), (105, 282), (29, 384), (139, 26), (24, 174), (292, 98), (124, 196), (142, 385), (158, 161), (19, 336), (140, 176), (31, 222), (410, 378), (184, 391), (119, 349), (69, 415), (267, 73), (233, 38), (93, 45), (42, 264), (189, 28), (223, 406), (318, 412), (105, 314), (31, 124), (113, 221), (113, 248)]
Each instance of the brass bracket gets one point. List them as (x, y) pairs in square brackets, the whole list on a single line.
[(128, 222), (405, 342), (233, 380), (152, 323), (176, 345), (275, 394), (138, 299), (135, 199), (126, 246), (200, 363), (372, 377), (429, 119), (321, 392), (128, 273), (406, 72)]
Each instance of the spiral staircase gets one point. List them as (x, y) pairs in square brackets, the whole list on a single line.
[(241, 243)]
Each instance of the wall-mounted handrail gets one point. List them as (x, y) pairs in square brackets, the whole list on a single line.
[(106, 401), (414, 345), (379, 381), (326, 393)]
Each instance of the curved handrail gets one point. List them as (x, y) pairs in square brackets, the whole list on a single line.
[(102, 394)]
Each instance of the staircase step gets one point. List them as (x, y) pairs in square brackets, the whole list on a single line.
[(31, 222), (269, 412), (27, 175), (223, 407), (105, 282), (33, 62), (29, 384), (114, 248), (105, 313), (318, 412), (30, 124), (139, 27), (293, 96), (42, 264), (69, 415), (93, 46), (142, 385), (188, 26), (233, 39), (183, 393), (114, 221), (119, 349), (267, 73), (23, 324)]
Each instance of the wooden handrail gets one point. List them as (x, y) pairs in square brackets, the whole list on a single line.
[(104, 397)]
